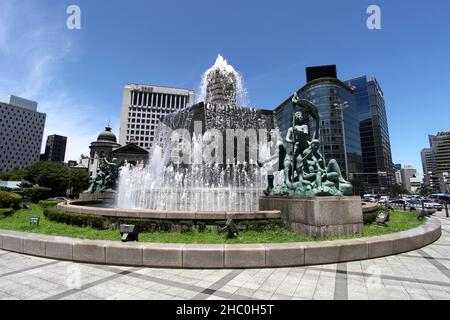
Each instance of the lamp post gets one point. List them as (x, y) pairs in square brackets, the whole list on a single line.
[(341, 107)]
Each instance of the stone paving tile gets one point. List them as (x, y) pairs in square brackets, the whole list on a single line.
[(244, 292), (406, 276), (80, 296), (262, 294)]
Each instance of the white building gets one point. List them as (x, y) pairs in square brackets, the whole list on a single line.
[(21, 132), (142, 108), (410, 179)]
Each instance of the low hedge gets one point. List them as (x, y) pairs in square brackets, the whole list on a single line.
[(370, 217), (149, 225), (9, 200), (36, 194), (6, 212), (49, 203)]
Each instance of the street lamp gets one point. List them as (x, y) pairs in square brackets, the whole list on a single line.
[(341, 107)]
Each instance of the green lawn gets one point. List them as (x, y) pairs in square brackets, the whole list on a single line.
[(20, 221)]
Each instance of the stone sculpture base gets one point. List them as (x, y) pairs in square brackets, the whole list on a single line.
[(318, 217), (97, 196)]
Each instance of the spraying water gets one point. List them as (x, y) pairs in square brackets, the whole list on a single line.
[(201, 185)]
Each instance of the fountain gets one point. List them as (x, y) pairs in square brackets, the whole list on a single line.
[(206, 156)]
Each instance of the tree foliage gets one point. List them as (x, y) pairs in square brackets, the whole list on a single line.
[(398, 189), (57, 177)]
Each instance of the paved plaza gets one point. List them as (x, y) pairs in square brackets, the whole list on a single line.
[(420, 274)]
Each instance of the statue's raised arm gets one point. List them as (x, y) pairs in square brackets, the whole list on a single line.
[(311, 109)]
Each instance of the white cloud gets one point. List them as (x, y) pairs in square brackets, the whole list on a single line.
[(33, 50)]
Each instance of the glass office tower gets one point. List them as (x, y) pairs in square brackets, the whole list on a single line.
[(340, 140), (378, 169)]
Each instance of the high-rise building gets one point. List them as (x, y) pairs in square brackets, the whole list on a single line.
[(441, 146), (374, 134), (55, 148), (430, 178), (437, 162), (142, 108), (21, 132), (339, 130)]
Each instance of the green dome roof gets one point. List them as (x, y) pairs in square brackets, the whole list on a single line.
[(107, 135)]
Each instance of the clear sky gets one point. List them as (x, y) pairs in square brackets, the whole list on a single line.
[(77, 76)]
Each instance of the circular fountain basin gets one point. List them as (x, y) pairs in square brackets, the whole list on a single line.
[(107, 209)]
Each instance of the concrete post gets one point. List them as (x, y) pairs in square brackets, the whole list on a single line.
[(446, 209)]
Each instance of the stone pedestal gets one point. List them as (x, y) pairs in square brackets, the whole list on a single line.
[(97, 196), (318, 217)]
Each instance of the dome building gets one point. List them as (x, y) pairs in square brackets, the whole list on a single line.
[(106, 147)]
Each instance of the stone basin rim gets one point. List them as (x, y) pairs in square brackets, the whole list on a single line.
[(219, 256)]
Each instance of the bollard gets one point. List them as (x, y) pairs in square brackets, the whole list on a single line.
[(446, 209)]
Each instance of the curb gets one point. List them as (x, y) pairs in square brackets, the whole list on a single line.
[(219, 256)]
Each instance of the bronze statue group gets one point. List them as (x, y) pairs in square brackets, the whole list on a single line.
[(304, 167)]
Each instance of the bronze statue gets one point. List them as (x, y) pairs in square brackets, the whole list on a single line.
[(106, 177), (305, 170)]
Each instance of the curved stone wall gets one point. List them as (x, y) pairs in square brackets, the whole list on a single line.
[(219, 256), (80, 207)]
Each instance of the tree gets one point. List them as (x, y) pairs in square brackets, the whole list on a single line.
[(425, 190), (15, 175), (79, 181), (365, 186), (399, 189), (49, 174)]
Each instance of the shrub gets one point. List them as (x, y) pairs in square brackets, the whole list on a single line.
[(36, 194), (81, 220), (370, 217), (6, 212), (9, 200), (49, 203), (52, 213)]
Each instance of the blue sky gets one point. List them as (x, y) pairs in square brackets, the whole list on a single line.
[(77, 76)]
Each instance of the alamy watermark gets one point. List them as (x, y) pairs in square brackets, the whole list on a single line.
[(73, 21), (252, 146), (374, 19)]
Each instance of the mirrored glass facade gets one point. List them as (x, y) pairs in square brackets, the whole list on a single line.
[(374, 133), (325, 93)]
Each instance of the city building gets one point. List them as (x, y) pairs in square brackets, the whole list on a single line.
[(72, 163), (430, 177), (21, 133), (106, 147), (142, 108), (339, 123), (436, 162), (398, 175), (410, 179), (441, 147), (374, 134), (55, 148)]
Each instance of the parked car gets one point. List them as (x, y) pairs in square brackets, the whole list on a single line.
[(436, 205), (412, 205), (383, 199), (370, 199), (59, 198)]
